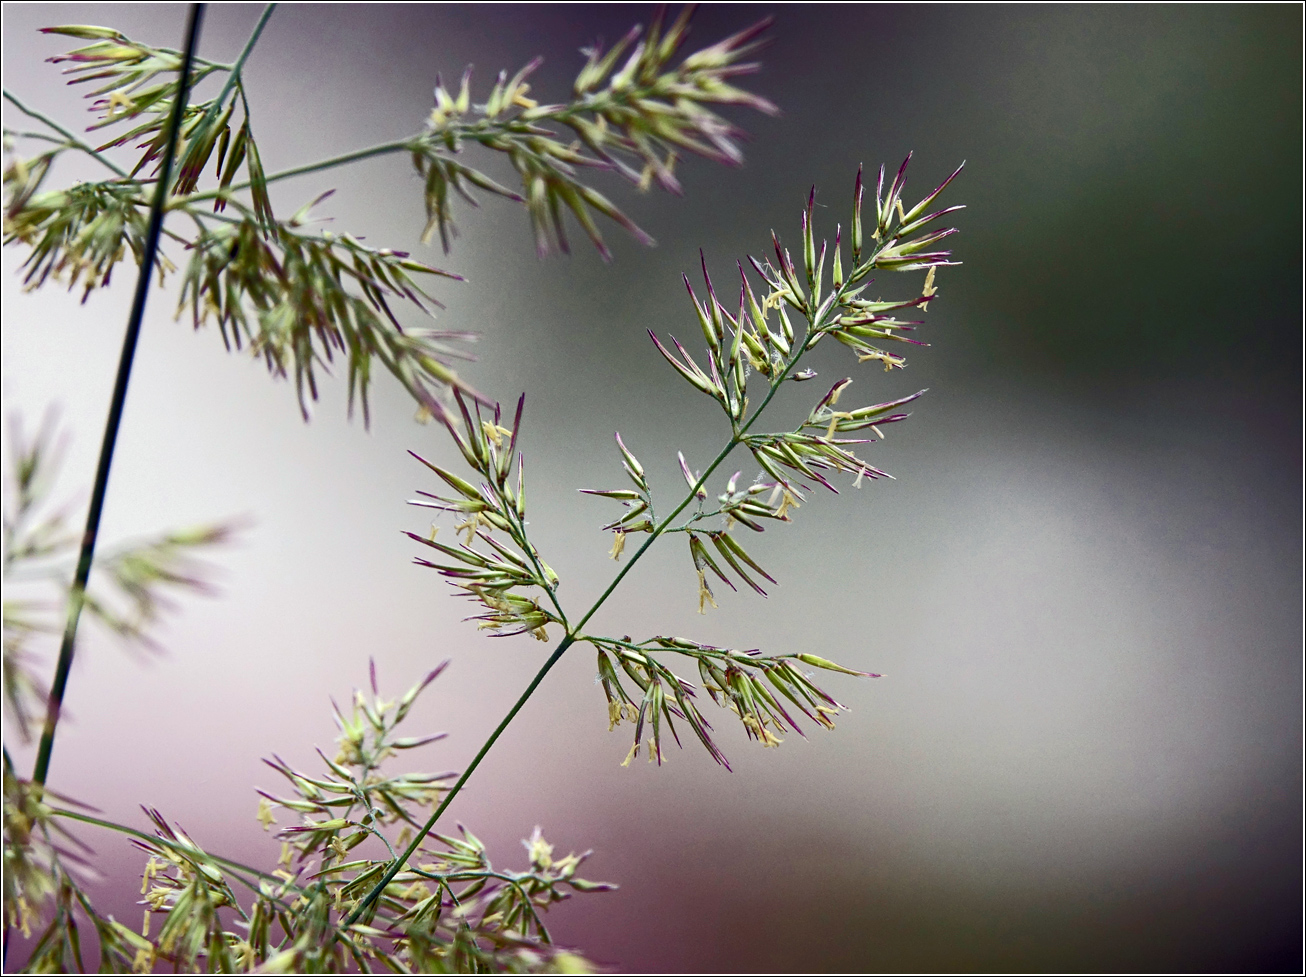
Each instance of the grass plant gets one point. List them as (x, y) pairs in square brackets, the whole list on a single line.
[(364, 880)]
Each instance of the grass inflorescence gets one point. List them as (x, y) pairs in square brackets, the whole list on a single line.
[(363, 880)]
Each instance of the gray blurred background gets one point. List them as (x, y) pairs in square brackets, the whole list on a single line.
[(1084, 585)]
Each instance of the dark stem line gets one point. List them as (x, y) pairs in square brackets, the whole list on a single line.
[(399, 862), (77, 594)]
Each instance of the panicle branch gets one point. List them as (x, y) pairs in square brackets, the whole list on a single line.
[(764, 692), (496, 573), (298, 300), (759, 337), (633, 116)]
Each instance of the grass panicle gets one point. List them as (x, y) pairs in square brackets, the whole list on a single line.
[(364, 881), (751, 352)]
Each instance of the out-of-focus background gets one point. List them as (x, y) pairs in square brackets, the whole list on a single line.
[(1084, 585)]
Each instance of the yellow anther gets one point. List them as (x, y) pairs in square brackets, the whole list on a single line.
[(264, 815), (151, 869), (117, 100), (704, 594), (929, 288), (471, 524), (789, 503), (835, 417), (888, 359), (495, 433)]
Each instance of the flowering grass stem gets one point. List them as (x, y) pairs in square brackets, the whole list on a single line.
[(573, 635), (77, 594), (822, 317)]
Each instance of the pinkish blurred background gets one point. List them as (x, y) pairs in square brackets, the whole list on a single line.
[(1084, 585)]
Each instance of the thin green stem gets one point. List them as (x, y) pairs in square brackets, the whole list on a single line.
[(77, 594), (398, 864), (325, 164), (644, 649), (361, 795), (480, 131), (353, 156), (44, 136), (72, 140), (234, 77)]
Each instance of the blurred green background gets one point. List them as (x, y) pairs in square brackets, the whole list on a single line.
[(1084, 585)]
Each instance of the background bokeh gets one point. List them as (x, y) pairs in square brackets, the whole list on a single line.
[(1084, 585)]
